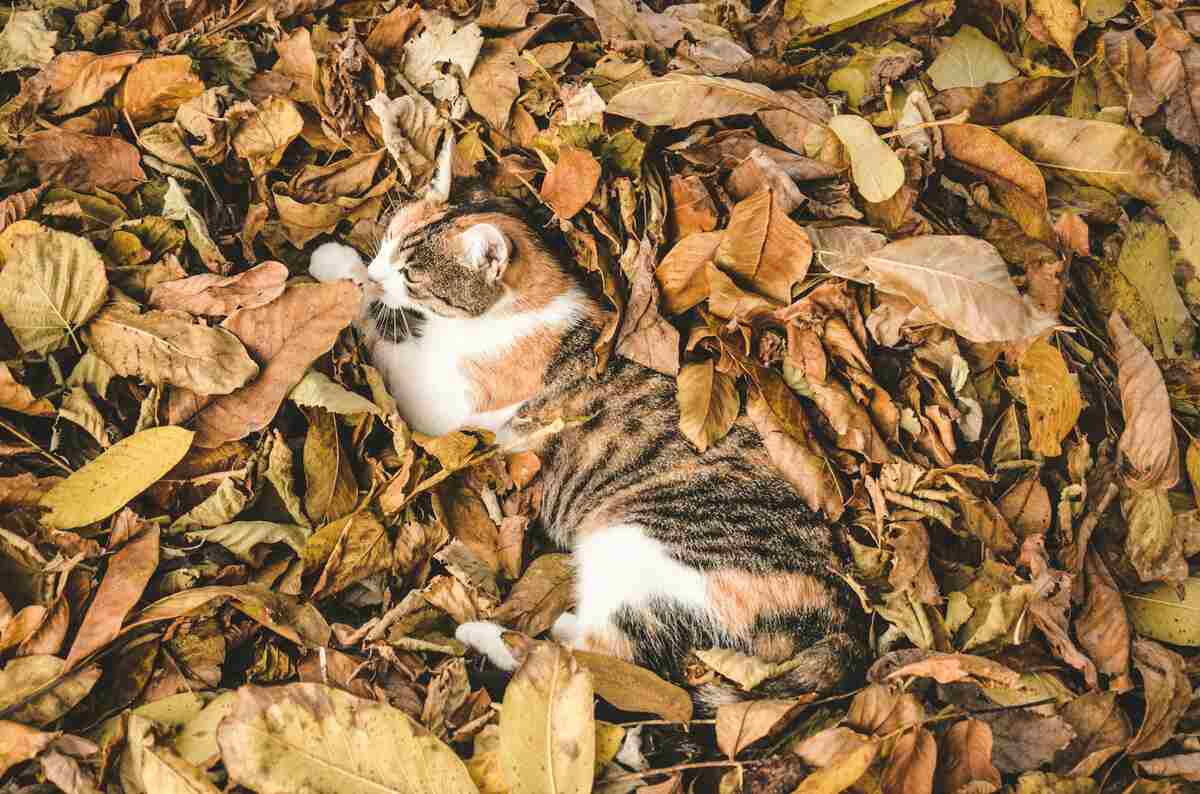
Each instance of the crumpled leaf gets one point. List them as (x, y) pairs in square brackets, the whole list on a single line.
[(310, 736), (543, 592), (176, 207), (287, 335), (493, 85), (1062, 21), (645, 336), (547, 732), (25, 41), (680, 274), (441, 43), (17, 397), (1148, 445), (263, 133), (170, 347), (246, 539), (74, 80), (51, 282), (1168, 693), (19, 743), (346, 551), (410, 132), (113, 479)]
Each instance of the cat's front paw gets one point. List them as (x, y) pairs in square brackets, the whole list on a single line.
[(334, 261), (483, 636)]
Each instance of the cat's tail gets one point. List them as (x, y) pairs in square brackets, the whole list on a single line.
[(834, 664)]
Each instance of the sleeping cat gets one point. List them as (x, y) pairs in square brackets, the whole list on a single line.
[(474, 322)]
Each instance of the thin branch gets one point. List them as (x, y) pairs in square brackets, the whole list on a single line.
[(45, 454)]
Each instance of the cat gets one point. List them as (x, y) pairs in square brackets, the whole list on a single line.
[(475, 322)]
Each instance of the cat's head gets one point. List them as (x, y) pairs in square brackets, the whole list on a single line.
[(473, 257)]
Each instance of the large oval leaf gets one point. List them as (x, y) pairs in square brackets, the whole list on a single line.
[(50, 283), (313, 738), (1161, 615), (547, 730), (109, 482), (680, 100)]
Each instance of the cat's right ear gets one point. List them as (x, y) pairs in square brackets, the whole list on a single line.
[(439, 188)]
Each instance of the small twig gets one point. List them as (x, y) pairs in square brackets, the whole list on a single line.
[(666, 770), (961, 118), (45, 454), (636, 723)]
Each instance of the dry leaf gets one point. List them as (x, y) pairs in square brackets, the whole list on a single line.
[(680, 100), (19, 743), (74, 80), (170, 347), (84, 162), (961, 281), (51, 283), (764, 247), (262, 133), (25, 41), (321, 739), (287, 335), (569, 185), (633, 688), (34, 689), (740, 725), (1168, 694), (547, 732), (494, 85), (113, 479), (645, 336), (543, 592), (1148, 443), (911, 763), (970, 60), (681, 273), (221, 295), (1051, 395), (156, 87), (877, 171), (967, 752), (708, 403), (16, 397)]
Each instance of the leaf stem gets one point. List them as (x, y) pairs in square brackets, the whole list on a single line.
[(45, 454)]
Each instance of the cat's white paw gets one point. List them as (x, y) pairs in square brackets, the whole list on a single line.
[(483, 636), (565, 629), (334, 261)]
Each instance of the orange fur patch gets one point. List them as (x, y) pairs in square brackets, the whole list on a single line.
[(740, 598)]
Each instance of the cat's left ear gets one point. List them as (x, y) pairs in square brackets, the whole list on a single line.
[(487, 248)]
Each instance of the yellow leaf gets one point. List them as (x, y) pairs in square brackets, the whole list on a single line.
[(313, 738), (111, 481), (547, 731), (877, 171), (1052, 396), (842, 773), (1160, 615)]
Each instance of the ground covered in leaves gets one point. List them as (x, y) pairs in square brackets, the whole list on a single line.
[(945, 255)]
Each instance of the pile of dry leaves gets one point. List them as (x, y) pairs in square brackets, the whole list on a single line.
[(944, 255)]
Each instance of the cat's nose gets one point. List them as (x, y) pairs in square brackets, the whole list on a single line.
[(378, 271)]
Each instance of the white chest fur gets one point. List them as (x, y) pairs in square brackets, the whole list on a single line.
[(427, 374)]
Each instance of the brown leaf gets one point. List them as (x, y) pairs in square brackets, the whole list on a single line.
[(633, 688), (571, 182), (692, 208), (1103, 626), (1147, 444), (1052, 396), (1116, 158), (967, 753), (124, 579), (84, 162), (1026, 507), (74, 80), (708, 403), (962, 281), (880, 710), (286, 615), (170, 347), (740, 725), (263, 132), (1101, 730), (983, 520), (330, 489), (681, 273), (910, 766), (645, 337), (17, 397), (155, 88), (680, 100), (211, 294), (493, 85), (764, 247), (948, 667), (1018, 183), (19, 743), (361, 547), (780, 421), (1185, 766), (1168, 693), (287, 334), (1063, 22), (542, 593)]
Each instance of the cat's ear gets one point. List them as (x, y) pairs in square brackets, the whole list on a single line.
[(487, 248), (439, 188)]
